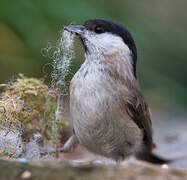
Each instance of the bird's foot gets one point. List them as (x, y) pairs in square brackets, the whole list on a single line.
[(59, 150)]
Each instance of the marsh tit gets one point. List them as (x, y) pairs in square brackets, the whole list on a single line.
[(110, 115)]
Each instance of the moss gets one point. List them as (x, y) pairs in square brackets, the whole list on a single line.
[(29, 104)]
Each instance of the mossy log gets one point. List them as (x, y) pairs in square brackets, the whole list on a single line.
[(10, 170)]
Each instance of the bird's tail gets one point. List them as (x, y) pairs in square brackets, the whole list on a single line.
[(152, 158)]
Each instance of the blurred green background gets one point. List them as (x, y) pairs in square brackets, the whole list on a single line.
[(158, 27)]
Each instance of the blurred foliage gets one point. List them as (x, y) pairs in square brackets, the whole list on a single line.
[(158, 27)]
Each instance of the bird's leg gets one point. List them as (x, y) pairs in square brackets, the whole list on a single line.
[(68, 147)]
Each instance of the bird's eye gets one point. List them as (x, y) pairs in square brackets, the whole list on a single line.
[(99, 30)]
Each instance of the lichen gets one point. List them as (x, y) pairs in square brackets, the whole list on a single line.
[(29, 105)]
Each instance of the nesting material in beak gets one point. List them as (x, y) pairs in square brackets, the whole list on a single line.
[(78, 30)]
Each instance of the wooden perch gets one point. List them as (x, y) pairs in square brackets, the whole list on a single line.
[(11, 170)]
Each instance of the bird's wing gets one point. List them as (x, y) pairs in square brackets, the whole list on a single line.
[(139, 112)]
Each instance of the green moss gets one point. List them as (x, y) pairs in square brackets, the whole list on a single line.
[(29, 103)]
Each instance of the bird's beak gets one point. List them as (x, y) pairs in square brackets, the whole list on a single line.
[(78, 30)]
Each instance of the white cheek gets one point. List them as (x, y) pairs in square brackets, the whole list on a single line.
[(106, 43)]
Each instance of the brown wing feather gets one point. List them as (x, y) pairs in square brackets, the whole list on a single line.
[(138, 110), (135, 104)]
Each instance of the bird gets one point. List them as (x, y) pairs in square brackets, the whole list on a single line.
[(110, 115)]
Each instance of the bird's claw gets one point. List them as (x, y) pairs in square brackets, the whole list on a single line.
[(51, 152)]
